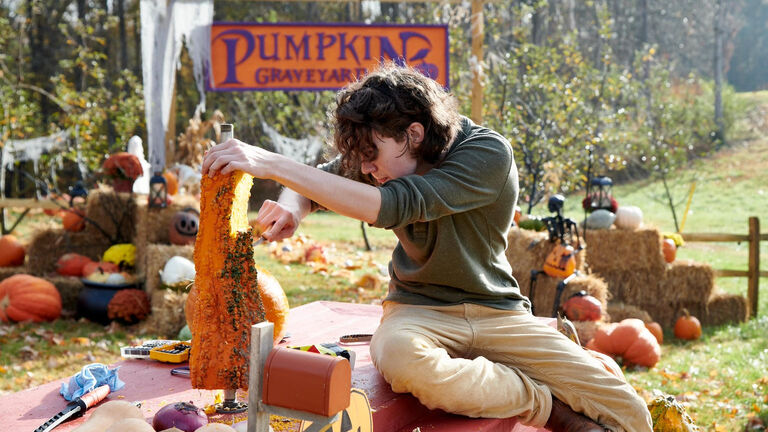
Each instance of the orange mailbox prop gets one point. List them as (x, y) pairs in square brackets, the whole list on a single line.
[(306, 381)]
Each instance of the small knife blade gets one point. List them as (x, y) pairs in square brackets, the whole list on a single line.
[(76, 408)]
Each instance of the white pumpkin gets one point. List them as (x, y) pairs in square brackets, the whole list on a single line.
[(629, 217), (600, 219), (177, 269), (115, 279)]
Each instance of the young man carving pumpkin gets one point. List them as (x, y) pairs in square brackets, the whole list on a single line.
[(455, 331)]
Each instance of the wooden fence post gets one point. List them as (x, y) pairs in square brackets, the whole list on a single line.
[(754, 265)]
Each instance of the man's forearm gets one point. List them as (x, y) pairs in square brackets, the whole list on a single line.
[(301, 205), (338, 194)]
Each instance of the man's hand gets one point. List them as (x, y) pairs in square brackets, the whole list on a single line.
[(277, 221)]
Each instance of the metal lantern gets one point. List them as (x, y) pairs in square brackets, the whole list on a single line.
[(601, 196), (77, 191), (158, 191)]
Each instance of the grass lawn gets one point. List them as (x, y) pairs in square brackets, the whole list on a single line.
[(721, 378)]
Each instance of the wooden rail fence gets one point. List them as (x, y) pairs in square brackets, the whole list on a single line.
[(753, 273)]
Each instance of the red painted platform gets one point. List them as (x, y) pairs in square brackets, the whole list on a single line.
[(152, 384)]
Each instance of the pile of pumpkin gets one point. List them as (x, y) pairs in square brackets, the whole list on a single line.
[(631, 342)]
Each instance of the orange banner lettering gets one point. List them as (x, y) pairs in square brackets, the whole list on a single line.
[(259, 56)]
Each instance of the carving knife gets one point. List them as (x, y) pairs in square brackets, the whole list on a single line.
[(76, 408)]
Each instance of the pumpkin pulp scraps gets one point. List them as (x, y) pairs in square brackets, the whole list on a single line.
[(227, 297)]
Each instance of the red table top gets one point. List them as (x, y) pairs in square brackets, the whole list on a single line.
[(152, 384)]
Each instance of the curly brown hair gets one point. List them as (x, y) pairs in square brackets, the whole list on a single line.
[(386, 101)]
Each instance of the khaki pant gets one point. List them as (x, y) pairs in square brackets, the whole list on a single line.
[(483, 362)]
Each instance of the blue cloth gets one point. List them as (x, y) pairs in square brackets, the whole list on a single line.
[(92, 376)]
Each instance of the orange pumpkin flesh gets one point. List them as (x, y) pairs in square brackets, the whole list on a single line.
[(11, 251), (687, 327), (272, 297), (28, 298), (227, 299)]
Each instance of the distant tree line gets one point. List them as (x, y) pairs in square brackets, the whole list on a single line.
[(579, 87)]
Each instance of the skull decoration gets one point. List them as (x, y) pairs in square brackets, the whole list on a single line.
[(183, 228)]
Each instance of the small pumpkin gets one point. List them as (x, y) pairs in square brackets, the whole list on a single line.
[(656, 331), (11, 251), (600, 219), (583, 307), (99, 267), (172, 182), (72, 264), (28, 298), (628, 339), (73, 220), (561, 261), (687, 327), (183, 227), (669, 249), (628, 217)]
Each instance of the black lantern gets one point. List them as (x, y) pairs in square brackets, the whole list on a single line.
[(158, 191), (600, 196), (77, 191)]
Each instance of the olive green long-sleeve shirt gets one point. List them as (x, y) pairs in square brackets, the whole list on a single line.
[(452, 225)]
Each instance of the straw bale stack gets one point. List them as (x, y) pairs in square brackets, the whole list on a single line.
[(527, 250), (6, 272), (167, 316), (157, 256), (725, 308), (49, 245), (586, 330), (114, 212), (686, 281), (615, 250), (69, 287), (152, 226), (633, 286), (620, 311)]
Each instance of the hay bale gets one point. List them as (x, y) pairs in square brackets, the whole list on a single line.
[(632, 287), (686, 281), (527, 250), (167, 316), (586, 330), (152, 225), (157, 256), (114, 212), (546, 290), (69, 288), (723, 308), (49, 245), (6, 272), (615, 250), (618, 311)]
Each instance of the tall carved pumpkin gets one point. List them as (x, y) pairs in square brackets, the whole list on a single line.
[(227, 298)]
